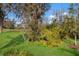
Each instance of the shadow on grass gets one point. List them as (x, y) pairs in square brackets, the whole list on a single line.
[(14, 41), (75, 52)]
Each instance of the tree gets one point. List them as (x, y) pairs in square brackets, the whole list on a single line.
[(30, 15), (72, 11), (1, 18), (37, 10)]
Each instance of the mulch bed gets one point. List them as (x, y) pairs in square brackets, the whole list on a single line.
[(74, 46)]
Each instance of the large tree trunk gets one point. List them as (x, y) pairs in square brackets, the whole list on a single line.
[(75, 36), (75, 39), (1, 24), (0, 29), (1, 18)]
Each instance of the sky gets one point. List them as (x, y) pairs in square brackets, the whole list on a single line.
[(57, 6)]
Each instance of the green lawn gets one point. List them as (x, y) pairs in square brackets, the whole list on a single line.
[(12, 43)]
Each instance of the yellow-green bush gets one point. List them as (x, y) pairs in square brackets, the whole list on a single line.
[(51, 43), (51, 34), (54, 43)]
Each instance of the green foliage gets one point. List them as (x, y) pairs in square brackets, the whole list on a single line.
[(54, 43), (51, 34)]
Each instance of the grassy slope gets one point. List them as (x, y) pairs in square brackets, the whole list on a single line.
[(12, 43)]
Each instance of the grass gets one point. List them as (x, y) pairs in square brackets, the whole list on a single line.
[(12, 44)]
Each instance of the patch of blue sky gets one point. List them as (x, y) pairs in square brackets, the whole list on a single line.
[(11, 15), (57, 6)]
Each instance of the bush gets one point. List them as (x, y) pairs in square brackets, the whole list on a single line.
[(54, 43), (51, 43)]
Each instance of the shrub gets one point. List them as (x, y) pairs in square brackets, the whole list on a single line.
[(54, 43)]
